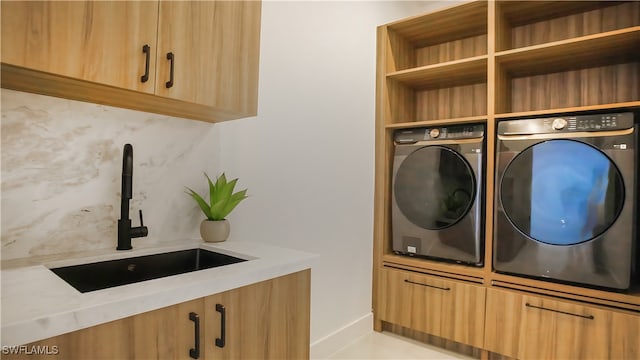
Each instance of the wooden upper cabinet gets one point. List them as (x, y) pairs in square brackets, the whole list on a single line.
[(98, 41), (93, 51), (216, 46)]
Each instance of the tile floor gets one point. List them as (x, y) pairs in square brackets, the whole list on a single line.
[(387, 345)]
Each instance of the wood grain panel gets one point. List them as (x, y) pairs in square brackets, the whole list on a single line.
[(457, 22), (615, 47), (107, 341), (531, 327), (452, 50), (458, 72), (400, 102), (267, 320), (591, 22), (166, 333), (216, 49), (94, 41), (592, 86), (451, 102), (37, 82), (527, 12), (401, 53), (445, 308)]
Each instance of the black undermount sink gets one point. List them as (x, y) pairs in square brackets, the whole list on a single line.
[(106, 274)]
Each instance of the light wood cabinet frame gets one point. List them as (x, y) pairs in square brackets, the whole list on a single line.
[(517, 57)]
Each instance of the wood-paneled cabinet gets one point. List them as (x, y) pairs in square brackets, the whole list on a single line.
[(215, 45), (96, 41), (449, 309), (526, 326), (195, 59), (166, 333), (266, 320)]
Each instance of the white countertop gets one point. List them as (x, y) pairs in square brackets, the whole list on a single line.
[(37, 304)]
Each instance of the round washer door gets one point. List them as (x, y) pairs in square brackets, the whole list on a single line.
[(434, 187), (562, 192)]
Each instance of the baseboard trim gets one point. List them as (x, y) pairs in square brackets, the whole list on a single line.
[(330, 344)]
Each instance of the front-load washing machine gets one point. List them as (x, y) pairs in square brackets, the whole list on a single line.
[(566, 199), (437, 193)]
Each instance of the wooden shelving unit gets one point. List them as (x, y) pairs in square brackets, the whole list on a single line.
[(484, 61)]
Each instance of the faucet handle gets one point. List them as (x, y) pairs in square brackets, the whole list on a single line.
[(140, 231)]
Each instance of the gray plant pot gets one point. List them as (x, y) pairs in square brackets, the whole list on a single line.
[(214, 230)]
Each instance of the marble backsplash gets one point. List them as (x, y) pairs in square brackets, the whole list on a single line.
[(62, 166)]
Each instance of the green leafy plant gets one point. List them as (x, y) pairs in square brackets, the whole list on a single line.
[(222, 199)]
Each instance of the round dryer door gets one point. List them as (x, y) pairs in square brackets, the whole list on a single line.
[(434, 187), (562, 192)]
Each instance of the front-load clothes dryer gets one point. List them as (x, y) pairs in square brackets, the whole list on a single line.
[(566, 199), (437, 197)]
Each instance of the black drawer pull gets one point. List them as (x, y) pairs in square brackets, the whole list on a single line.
[(147, 50), (223, 324), (590, 317), (194, 353), (427, 285), (171, 58)]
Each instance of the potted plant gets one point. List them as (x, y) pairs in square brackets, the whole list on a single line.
[(222, 200)]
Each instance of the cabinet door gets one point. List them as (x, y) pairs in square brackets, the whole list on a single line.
[(267, 320), (215, 45), (99, 41), (166, 333), (446, 308), (532, 327)]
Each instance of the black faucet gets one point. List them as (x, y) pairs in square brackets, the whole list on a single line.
[(125, 231)]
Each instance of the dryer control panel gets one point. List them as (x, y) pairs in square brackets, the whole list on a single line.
[(564, 124), (413, 135)]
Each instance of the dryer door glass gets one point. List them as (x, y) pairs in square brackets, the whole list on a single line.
[(562, 192), (434, 187)]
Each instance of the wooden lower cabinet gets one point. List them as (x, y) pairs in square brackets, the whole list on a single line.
[(526, 326), (449, 309), (266, 320)]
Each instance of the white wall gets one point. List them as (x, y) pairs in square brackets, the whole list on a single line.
[(308, 158)]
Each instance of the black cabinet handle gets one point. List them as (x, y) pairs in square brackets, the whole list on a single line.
[(147, 50), (171, 58), (427, 285), (195, 352), (223, 322), (589, 317)]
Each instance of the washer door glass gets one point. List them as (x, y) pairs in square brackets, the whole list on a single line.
[(434, 187), (562, 192)]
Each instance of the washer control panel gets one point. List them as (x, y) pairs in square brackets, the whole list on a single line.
[(413, 135), (564, 124)]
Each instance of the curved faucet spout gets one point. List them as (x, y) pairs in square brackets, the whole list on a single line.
[(125, 231), (127, 172)]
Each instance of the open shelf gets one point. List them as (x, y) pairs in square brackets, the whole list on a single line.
[(448, 74), (600, 69), (527, 23), (447, 35), (481, 62), (614, 47)]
